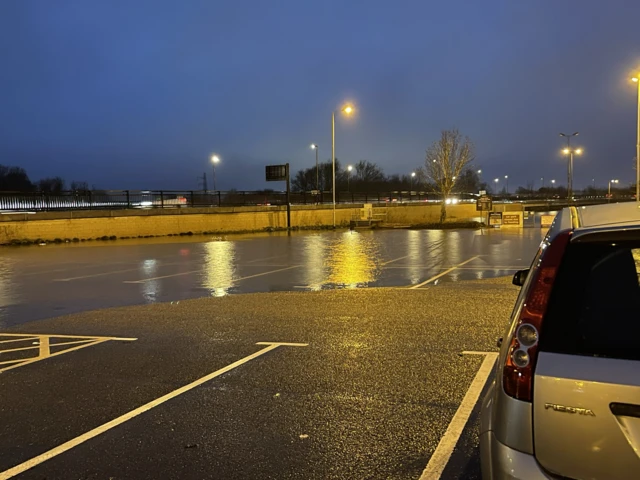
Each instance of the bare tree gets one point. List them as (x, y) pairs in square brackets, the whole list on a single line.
[(446, 159)]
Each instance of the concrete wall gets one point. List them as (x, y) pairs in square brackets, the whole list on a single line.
[(134, 223)]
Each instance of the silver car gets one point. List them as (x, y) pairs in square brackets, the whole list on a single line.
[(565, 403)]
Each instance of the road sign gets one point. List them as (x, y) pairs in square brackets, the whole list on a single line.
[(495, 219), (484, 204), (276, 173), (482, 193)]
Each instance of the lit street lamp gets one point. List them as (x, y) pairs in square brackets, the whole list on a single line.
[(506, 178), (553, 182), (496, 180), (635, 79), (413, 174), (214, 159), (347, 109), (568, 151), (610, 182), (315, 147), (349, 168)]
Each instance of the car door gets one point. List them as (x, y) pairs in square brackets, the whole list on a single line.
[(586, 390)]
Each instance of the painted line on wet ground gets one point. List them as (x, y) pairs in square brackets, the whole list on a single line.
[(449, 440), (442, 274), (395, 260), (54, 452), (114, 272), (144, 280)]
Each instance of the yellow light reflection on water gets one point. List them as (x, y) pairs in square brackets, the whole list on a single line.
[(414, 250), (8, 294), (219, 267), (314, 249), (353, 260)]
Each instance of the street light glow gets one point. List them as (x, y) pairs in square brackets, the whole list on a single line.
[(578, 151), (313, 146), (634, 79), (506, 176), (566, 151), (496, 180), (215, 158), (615, 181), (479, 172), (348, 109), (553, 181), (413, 174), (349, 168)]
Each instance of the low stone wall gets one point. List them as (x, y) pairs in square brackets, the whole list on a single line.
[(49, 226)]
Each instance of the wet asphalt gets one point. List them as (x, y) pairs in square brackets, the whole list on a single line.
[(54, 280), (369, 397)]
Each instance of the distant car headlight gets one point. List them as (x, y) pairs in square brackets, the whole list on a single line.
[(454, 201), (448, 201)]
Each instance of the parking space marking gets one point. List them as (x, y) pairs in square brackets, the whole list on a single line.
[(102, 274), (440, 457), (395, 260), (144, 280), (43, 345), (444, 273), (54, 452)]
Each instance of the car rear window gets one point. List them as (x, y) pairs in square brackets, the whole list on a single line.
[(594, 307)]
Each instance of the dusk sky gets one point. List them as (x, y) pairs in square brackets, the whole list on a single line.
[(137, 94)]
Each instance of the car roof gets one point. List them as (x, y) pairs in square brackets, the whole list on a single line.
[(608, 216)]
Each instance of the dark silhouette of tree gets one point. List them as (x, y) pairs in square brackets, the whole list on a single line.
[(51, 185), (80, 187), (14, 179), (467, 182)]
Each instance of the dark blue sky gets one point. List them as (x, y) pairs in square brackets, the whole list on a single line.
[(137, 94)]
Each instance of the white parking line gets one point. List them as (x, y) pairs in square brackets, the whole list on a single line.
[(23, 467), (444, 273), (440, 457), (144, 280), (395, 260)]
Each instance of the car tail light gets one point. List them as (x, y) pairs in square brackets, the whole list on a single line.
[(521, 359)]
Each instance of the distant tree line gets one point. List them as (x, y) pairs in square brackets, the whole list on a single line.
[(15, 179), (366, 176)]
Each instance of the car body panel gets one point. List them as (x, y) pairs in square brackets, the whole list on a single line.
[(575, 432)]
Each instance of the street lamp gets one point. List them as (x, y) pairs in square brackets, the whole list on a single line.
[(214, 159), (553, 182), (568, 151), (349, 168), (635, 79), (413, 174), (506, 177), (315, 147), (610, 182), (348, 110), (496, 180)]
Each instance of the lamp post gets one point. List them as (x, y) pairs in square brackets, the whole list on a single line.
[(506, 179), (413, 174), (315, 147), (496, 180), (347, 109), (635, 79), (214, 159), (568, 151), (571, 152), (349, 168), (610, 182), (542, 182)]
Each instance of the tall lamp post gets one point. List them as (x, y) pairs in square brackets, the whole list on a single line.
[(496, 180), (610, 182), (413, 174), (347, 109), (214, 159), (315, 147), (349, 168), (506, 179), (570, 163), (635, 79), (571, 152)]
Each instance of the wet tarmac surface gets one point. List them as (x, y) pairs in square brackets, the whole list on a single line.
[(178, 387), (41, 282), (367, 394)]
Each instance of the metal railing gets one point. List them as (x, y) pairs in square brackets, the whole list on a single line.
[(126, 199)]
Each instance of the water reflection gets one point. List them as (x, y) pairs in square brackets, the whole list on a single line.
[(150, 290), (8, 292), (219, 267), (414, 250), (314, 252), (353, 260)]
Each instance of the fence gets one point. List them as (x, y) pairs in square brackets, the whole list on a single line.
[(125, 199)]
